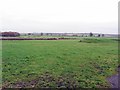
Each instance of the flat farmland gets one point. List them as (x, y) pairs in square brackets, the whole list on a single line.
[(84, 62)]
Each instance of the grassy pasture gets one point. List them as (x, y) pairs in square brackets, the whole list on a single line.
[(59, 63)]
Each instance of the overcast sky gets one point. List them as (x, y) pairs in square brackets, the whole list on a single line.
[(97, 16)]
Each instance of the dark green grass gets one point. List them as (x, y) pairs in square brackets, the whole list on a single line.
[(88, 62)]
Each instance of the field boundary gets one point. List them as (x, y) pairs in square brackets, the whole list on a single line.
[(35, 38)]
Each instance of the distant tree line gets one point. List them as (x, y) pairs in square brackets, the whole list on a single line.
[(16, 34), (99, 35), (9, 34)]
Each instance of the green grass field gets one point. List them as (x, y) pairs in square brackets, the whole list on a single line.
[(59, 63)]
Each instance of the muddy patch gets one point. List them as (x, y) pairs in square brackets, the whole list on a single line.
[(114, 80)]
